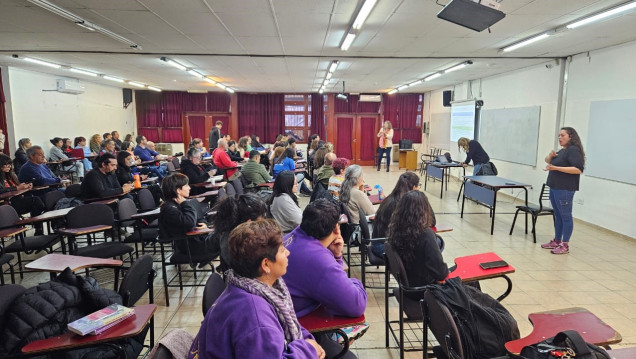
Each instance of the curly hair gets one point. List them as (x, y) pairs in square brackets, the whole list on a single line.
[(250, 243), (339, 165), (575, 140), (410, 219)]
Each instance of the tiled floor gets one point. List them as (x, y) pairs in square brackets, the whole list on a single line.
[(598, 274)]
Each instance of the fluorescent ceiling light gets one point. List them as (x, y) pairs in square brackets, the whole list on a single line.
[(136, 84), (154, 88), (526, 42), (113, 79), (173, 63), (321, 90), (43, 63), (57, 10), (364, 12), (195, 74), (333, 66), (603, 15), (433, 76), (347, 41), (210, 81), (83, 72), (85, 26), (229, 90), (403, 87), (325, 83), (329, 74), (220, 85), (456, 67), (393, 91), (416, 83)]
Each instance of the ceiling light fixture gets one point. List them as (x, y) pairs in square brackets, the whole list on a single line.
[(136, 84), (348, 40), (321, 90), (220, 85), (614, 11), (403, 87), (393, 91), (229, 90), (83, 72), (333, 66), (210, 80), (526, 42), (329, 74), (458, 67), (195, 74), (156, 89), (40, 62), (416, 83), (433, 76), (364, 12), (113, 79), (81, 22), (173, 63)]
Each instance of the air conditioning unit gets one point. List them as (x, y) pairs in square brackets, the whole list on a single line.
[(370, 98), (72, 87)]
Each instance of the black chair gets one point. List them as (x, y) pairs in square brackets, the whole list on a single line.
[(221, 193), (238, 186), (440, 321), (146, 200), (6, 259), (74, 190), (171, 168), (139, 279), (142, 234), (535, 211), (407, 305), (22, 243), (176, 163), (51, 198), (213, 289), (374, 260), (348, 232)]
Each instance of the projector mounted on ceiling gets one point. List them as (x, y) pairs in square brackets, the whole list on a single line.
[(471, 14), (342, 95)]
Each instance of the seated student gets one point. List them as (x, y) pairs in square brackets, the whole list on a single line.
[(26, 203), (273, 155), (124, 171), (198, 144), (56, 154), (66, 146), (102, 182), (291, 143), (179, 215), (415, 242), (326, 171), (283, 203), (335, 182), (222, 160), (255, 309), (108, 146), (146, 154), (285, 162), (352, 196), (232, 211), (96, 143), (315, 274), (254, 171), (20, 154), (115, 138), (232, 152), (408, 181), (80, 143), (129, 147), (107, 136), (319, 155), (35, 171), (191, 167), (243, 146)]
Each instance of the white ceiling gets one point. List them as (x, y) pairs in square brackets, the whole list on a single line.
[(287, 45)]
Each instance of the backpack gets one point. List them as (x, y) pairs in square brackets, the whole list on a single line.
[(68, 202), (568, 342), (484, 324), (487, 169)]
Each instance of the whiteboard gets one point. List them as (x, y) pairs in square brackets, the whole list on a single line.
[(511, 134), (440, 130), (610, 138)]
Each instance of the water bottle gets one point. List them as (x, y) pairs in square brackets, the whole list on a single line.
[(137, 180), (380, 192)]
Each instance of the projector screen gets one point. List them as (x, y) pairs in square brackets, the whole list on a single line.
[(462, 120)]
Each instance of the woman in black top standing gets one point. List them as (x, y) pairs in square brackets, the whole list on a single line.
[(565, 168), (474, 152)]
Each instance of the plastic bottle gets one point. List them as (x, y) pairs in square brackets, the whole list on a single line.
[(137, 180), (380, 191)]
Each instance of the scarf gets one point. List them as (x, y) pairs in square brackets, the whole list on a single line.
[(278, 296)]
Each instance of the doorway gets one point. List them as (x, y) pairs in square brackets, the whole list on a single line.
[(356, 137)]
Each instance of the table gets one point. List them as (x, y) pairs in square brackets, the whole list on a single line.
[(46, 216), (205, 194), (548, 324), (438, 171), (321, 321), (56, 263), (68, 341), (408, 160), (468, 270), (442, 227), (483, 190)]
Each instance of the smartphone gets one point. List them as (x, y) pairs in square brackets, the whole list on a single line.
[(491, 265)]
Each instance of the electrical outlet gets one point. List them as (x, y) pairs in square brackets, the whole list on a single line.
[(580, 201)]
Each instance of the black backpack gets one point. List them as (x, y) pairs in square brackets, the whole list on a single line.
[(568, 342)]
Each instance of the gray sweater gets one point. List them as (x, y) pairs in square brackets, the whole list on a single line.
[(286, 212)]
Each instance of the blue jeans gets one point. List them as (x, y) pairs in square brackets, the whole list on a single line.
[(561, 201), (388, 156), (477, 169)]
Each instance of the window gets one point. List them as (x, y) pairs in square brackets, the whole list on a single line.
[(298, 116)]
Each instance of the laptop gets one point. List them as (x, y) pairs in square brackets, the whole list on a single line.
[(442, 159)]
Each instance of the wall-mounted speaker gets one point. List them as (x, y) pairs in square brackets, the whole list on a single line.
[(448, 97), (127, 94)]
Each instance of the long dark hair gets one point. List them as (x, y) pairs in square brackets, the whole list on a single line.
[(287, 153), (407, 182), (284, 184), (410, 219), (121, 160), (255, 142), (575, 140), (10, 176), (234, 210)]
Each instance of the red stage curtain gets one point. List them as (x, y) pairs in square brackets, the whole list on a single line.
[(218, 102), (148, 104), (350, 105), (368, 107), (261, 114), (197, 126), (151, 134), (368, 144), (344, 138), (3, 118), (407, 114), (196, 102), (318, 115), (174, 104), (172, 135)]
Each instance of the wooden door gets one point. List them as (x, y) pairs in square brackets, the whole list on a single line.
[(356, 137), (199, 124), (344, 146)]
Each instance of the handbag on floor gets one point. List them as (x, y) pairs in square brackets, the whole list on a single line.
[(566, 344)]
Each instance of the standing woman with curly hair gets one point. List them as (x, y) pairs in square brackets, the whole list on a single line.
[(411, 236), (565, 168)]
